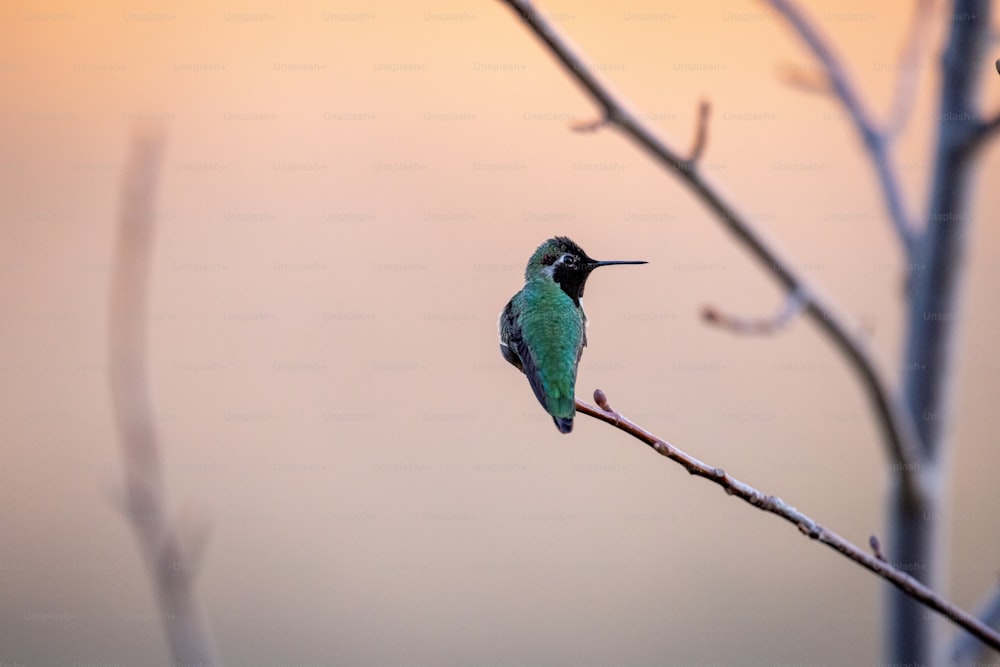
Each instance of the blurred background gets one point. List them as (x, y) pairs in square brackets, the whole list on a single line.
[(349, 195)]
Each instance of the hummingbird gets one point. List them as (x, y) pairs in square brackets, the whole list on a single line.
[(543, 328)]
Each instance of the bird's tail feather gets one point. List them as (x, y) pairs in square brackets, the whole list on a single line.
[(564, 424)]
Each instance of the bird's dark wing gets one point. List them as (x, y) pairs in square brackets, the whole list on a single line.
[(510, 336), (516, 351)]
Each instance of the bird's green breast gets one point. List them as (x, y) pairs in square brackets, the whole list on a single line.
[(552, 327)]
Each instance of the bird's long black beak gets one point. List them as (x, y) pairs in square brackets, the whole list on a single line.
[(593, 264)]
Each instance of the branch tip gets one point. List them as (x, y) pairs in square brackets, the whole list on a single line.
[(700, 134), (587, 126), (803, 79), (908, 69), (602, 400), (876, 546)]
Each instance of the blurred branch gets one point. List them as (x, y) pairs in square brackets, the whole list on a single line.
[(804, 523), (173, 573), (897, 425), (967, 650), (876, 141), (792, 307), (933, 309)]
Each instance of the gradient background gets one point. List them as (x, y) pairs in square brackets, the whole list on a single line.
[(349, 196)]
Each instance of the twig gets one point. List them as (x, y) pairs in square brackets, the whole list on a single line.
[(897, 425), (172, 571), (700, 134), (805, 80), (983, 131), (805, 524), (586, 126), (793, 306), (990, 126), (876, 546), (875, 140)]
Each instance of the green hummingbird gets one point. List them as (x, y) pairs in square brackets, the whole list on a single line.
[(543, 328)]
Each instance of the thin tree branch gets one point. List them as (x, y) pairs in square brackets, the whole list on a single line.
[(967, 649), (764, 326), (875, 140), (897, 425), (805, 524), (173, 573)]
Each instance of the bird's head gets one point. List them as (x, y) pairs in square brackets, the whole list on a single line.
[(566, 263)]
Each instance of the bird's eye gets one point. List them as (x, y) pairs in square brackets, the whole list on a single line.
[(569, 260)]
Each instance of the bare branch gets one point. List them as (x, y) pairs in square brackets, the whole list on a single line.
[(804, 523), (793, 305), (897, 424), (874, 140), (145, 493)]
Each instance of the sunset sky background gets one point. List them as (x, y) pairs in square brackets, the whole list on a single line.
[(349, 195)]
